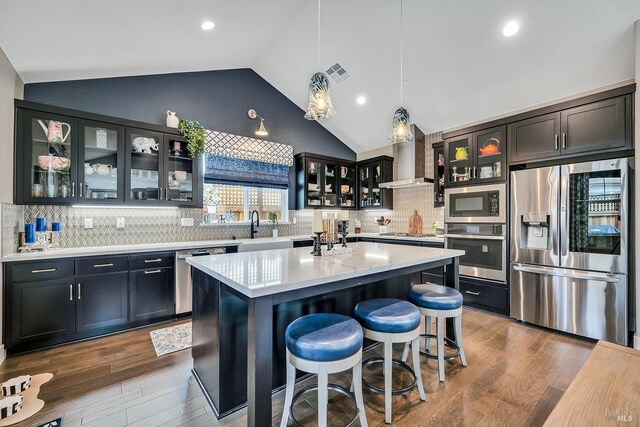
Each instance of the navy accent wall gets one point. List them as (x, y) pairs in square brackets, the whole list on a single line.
[(217, 99)]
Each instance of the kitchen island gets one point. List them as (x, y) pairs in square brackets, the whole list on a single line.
[(242, 304)]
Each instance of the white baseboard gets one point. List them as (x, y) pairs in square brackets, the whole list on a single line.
[(636, 342), (3, 353)]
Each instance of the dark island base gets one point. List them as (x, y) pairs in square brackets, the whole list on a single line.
[(220, 332)]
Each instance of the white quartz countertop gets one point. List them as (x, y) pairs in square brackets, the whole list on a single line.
[(256, 274), (170, 246)]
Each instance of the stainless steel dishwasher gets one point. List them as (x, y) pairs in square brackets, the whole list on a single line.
[(184, 287)]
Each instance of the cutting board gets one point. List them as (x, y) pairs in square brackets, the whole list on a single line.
[(415, 223)]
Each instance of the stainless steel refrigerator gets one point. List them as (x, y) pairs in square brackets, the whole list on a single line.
[(570, 246)]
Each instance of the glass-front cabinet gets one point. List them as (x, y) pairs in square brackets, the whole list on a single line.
[(348, 186), (475, 158), (48, 159), (63, 159), (145, 165), (371, 174), (102, 163), (181, 172), (325, 182)]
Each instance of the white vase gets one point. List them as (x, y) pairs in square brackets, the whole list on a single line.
[(274, 233), (172, 119)]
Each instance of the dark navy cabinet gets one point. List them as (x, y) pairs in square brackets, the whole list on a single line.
[(100, 160), (151, 294), (101, 301), (40, 311), (56, 301)]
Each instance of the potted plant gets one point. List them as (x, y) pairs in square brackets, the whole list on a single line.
[(195, 134), (273, 218), (210, 197)]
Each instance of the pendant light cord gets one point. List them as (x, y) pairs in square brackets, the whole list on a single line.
[(318, 35), (401, 48)]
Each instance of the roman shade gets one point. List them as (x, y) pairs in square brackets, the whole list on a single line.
[(240, 160)]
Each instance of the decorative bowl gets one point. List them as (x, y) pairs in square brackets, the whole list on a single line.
[(58, 164)]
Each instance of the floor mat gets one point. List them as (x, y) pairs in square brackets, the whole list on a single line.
[(171, 339)]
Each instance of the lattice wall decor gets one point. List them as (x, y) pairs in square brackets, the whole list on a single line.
[(242, 147)]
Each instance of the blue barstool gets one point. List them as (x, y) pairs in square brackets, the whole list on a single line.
[(392, 321), (323, 344), (442, 303)]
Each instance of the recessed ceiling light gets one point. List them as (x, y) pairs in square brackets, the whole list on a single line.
[(405, 83), (207, 25), (510, 29), (361, 100)]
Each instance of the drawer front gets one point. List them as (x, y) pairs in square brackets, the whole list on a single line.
[(152, 260), (433, 245), (493, 298), (42, 270), (98, 265)]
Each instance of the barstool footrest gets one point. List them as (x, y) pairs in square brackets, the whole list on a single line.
[(314, 387), (394, 392), (447, 343)]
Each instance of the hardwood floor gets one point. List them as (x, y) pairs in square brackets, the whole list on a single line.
[(516, 376)]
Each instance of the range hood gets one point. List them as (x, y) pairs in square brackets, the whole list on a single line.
[(411, 163)]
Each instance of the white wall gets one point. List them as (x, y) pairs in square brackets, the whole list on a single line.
[(11, 87), (636, 340), (387, 150)]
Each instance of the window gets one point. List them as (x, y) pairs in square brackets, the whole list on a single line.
[(234, 203)]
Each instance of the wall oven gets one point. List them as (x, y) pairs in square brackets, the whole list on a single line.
[(476, 204), (485, 247)]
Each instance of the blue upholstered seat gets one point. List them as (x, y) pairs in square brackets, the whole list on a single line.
[(324, 337), (435, 297), (388, 315)]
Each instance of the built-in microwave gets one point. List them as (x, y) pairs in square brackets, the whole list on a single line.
[(477, 204)]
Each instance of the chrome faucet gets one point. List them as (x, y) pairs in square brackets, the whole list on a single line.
[(255, 224)]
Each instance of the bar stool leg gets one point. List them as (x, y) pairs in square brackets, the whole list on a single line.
[(288, 396), (427, 331), (440, 339), (415, 349), (458, 329), (356, 387), (388, 377), (323, 398), (405, 352)]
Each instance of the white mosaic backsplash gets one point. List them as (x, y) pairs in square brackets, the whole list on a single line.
[(405, 201), (12, 222), (142, 225)]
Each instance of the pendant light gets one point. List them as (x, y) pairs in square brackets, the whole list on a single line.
[(401, 131), (320, 107)]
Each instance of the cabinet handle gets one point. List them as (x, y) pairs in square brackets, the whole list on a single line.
[(557, 146), (80, 190), (475, 173), (166, 193), (564, 140), (70, 292), (44, 270), (147, 261), (152, 271), (102, 265), (472, 293), (73, 189), (160, 193), (79, 290)]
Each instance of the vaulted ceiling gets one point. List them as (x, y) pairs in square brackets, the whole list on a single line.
[(458, 65)]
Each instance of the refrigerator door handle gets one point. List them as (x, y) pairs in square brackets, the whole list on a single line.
[(564, 215), (570, 275)]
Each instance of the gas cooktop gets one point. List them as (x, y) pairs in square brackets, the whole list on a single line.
[(407, 235)]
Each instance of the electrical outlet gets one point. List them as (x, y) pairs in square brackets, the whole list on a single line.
[(119, 222), (294, 220), (187, 222), (88, 223)]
